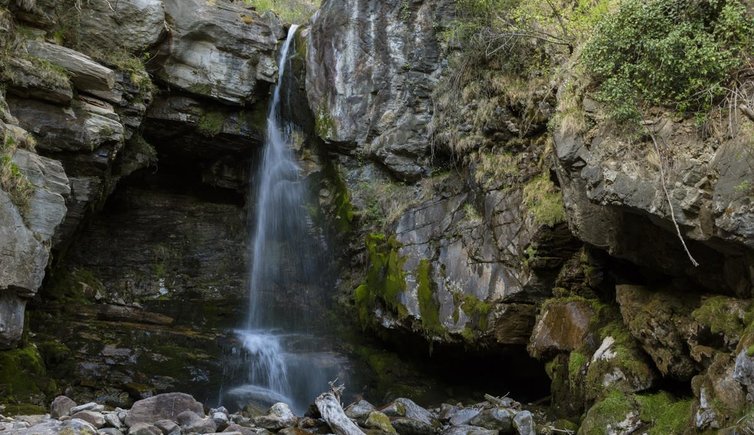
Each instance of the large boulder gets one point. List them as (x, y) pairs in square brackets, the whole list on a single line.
[(26, 231), (138, 24), (162, 406), (614, 194), (661, 321), (219, 50), (370, 61), (563, 326)]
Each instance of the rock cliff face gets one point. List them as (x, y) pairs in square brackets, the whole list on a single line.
[(371, 68), (616, 199), (74, 124), (474, 256), (464, 221)]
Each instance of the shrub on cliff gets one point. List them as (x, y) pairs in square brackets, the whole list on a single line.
[(678, 53)]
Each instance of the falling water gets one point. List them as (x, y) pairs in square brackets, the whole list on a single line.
[(283, 365)]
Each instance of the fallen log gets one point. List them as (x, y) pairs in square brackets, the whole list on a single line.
[(329, 406)]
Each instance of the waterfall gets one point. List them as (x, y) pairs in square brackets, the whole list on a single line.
[(283, 365), (279, 214)]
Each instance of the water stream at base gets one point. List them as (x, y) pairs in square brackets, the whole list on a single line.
[(283, 365)]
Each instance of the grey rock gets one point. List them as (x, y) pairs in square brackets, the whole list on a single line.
[(109, 431), (233, 427), (403, 407), (28, 80), (468, 430), (524, 423), (143, 429), (495, 419), (94, 418), (192, 422), (359, 411), (186, 220), (220, 419), (360, 81), (85, 126), (278, 417), (463, 416), (61, 406), (138, 24), (85, 191), (46, 208), (167, 426), (86, 74), (407, 426), (89, 406), (162, 406), (614, 199), (12, 314), (73, 426), (743, 373), (112, 420), (219, 50)]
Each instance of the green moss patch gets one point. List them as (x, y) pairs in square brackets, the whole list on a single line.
[(665, 414), (324, 124), (385, 280), (429, 308), (78, 285), (211, 123), (544, 201), (477, 310), (724, 315), (23, 377)]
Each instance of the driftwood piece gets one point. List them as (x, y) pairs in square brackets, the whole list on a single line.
[(329, 406)]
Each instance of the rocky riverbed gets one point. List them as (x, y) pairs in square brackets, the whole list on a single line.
[(180, 413)]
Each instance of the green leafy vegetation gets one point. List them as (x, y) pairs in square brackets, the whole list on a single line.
[(290, 11), (676, 54)]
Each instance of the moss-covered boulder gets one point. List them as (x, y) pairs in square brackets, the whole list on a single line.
[(620, 413), (562, 326), (720, 399), (661, 321), (618, 364)]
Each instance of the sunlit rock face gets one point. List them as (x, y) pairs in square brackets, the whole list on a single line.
[(372, 66)]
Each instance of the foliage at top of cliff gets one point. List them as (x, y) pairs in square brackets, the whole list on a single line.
[(290, 11), (681, 54)]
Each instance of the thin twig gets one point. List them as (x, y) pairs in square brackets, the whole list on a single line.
[(670, 203)]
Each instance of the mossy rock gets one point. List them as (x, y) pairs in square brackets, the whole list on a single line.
[(725, 316), (79, 285), (620, 365), (23, 377), (429, 307), (655, 414), (385, 280)]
